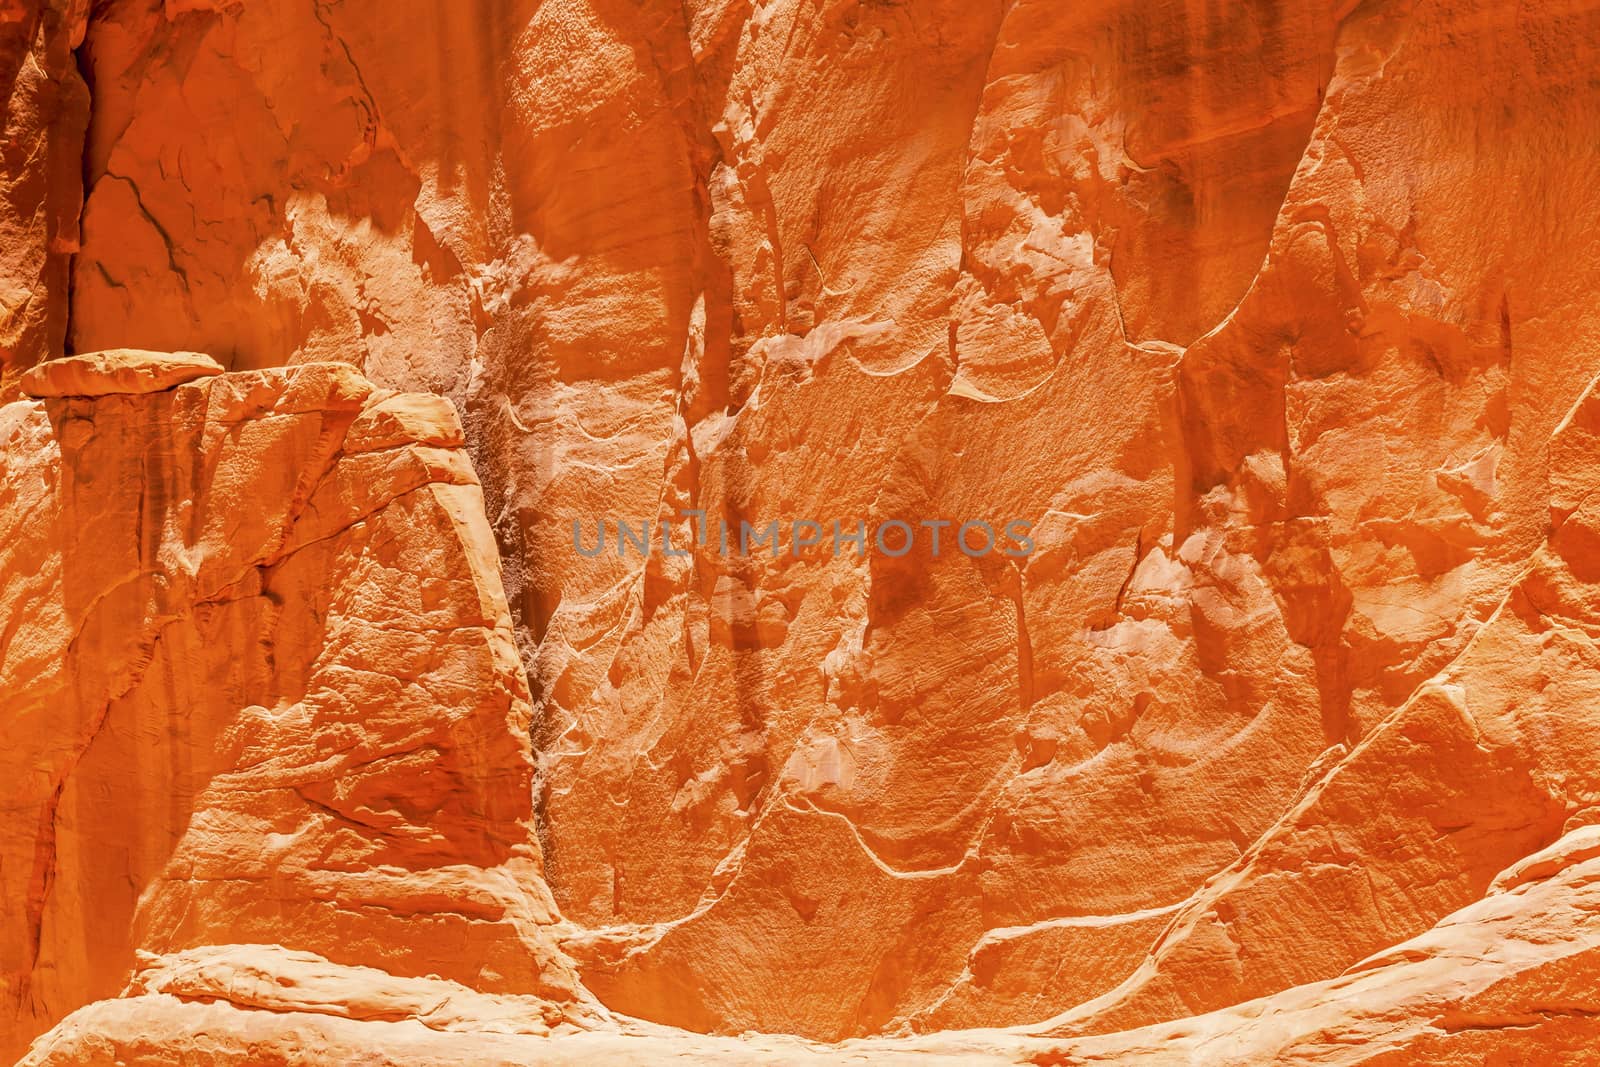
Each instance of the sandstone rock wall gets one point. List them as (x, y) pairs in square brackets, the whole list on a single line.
[(1276, 321), (260, 687), (44, 108)]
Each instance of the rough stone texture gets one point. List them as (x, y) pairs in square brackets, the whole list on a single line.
[(1508, 979), (120, 370), (44, 107), (259, 689), (1276, 320)]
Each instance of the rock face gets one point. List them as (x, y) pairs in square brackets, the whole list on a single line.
[(1274, 323), (44, 108), (1508, 977), (261, 690)]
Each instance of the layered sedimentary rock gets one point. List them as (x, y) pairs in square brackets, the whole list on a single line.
[(1275, 323), (260, 687), (44, 107), (1509, 976)]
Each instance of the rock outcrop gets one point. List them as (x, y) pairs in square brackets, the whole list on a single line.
[(1508, 977), (44, 109), (261, 689), (1273, 323)]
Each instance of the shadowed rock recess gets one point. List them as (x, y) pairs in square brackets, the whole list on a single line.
[(323, 324)]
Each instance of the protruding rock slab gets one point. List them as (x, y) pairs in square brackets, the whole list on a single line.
[(117, 370), (405, 419), (258, 687)]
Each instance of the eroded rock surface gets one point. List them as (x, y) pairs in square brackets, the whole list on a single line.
[(260, 689), (1275, 321), (1507, 977), (44, 108)]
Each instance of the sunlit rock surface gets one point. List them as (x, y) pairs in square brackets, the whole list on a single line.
[(261, 691), (44, 107), (1277, 323)]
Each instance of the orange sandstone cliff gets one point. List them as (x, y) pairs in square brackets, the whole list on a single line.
[(327, 328)]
